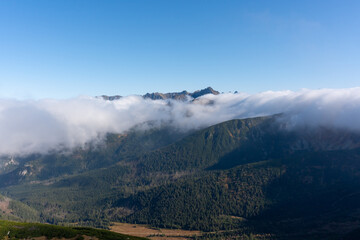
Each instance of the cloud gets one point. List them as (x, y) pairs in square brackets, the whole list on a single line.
[(44, 125)]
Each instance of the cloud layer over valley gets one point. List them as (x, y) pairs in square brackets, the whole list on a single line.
[(44, 125)]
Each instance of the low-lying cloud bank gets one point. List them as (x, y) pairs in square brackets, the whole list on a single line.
[(44, 125)]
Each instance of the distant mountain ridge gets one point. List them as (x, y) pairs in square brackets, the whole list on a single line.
[(174, 95)]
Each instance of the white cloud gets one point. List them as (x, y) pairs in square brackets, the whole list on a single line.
[(43, 125)]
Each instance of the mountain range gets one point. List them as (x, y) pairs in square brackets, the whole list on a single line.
[(236, 178), (184, 95)]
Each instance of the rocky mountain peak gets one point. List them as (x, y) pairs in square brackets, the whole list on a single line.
[(182, 96), (208, 90)]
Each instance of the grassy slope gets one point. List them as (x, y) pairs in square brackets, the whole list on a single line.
[(19, 230)]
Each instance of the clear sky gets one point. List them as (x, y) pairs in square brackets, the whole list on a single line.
[(63, 48)]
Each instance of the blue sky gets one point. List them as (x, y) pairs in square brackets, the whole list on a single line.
[(63, 49)]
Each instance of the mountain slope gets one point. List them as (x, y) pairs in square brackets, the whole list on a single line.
[(299, 194), (15, 210), (207, 147), (116, 148), (212, 201), (248, 176)]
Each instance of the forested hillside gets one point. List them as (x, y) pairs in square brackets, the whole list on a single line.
[(249, 176)]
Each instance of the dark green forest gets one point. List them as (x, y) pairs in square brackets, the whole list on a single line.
[(237, 178)]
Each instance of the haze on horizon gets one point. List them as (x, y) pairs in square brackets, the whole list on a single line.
[(41, 126)]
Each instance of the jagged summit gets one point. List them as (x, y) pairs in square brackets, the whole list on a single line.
[(174, 95), (208, 90), (181, 95)]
